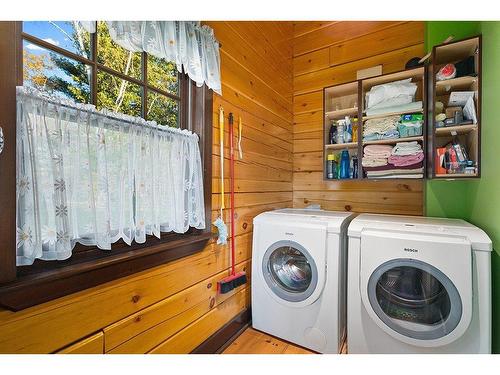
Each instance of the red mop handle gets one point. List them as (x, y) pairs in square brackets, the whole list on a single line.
[(231, 187)]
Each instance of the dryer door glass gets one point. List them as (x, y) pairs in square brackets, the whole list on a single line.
[(289, 271), (290, 268), (415, 299)]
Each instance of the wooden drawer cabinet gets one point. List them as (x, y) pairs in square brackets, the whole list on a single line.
[(91, 345), (141, 332)]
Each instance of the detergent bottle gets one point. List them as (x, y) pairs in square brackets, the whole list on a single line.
[(345, 162)]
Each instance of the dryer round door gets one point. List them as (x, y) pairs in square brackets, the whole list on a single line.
[(415, 299), (417, 287), (290, 272)]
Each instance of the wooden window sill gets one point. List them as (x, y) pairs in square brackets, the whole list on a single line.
[(37, 284)]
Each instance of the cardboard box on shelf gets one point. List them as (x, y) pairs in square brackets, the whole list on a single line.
[(450, 111)]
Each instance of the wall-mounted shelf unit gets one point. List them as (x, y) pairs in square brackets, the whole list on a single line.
[(349, 100), (466, 55), (340, 101), (438, 140)]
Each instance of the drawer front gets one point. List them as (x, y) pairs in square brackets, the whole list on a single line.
[(90, 345)]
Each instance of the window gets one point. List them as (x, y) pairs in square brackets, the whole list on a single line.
[(67, 61)]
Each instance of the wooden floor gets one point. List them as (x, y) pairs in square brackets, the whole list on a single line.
[(256, 342), (252, 341)]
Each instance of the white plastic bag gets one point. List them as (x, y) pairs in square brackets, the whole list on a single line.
[(392, 93)]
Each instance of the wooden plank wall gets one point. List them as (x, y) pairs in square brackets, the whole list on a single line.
[(175, 307), (330, 53)]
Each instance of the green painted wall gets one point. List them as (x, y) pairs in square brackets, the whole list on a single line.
[(485, 193), (438, 31), (477, 201)]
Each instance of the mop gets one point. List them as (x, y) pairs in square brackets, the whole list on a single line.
[(235, 279), (219, 222)]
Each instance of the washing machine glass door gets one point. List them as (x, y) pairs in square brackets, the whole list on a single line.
[(290, 271), (414, 299)]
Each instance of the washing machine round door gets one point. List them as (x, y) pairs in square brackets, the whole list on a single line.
[(415, 299), (290, 271)]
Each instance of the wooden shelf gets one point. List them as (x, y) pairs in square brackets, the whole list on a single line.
[(392, 114), (469, 136), (461, 83), (340, 113), (349, 97), (392, 141), (460, 129), (414, 74), (395, 178), (342, 89), (455, 51), (341, 146), (452, 176)]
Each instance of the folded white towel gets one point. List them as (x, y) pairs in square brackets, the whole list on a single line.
[(406, 148), (391, 102), (413, 106)]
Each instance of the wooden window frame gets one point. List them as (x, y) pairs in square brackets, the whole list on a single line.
[(25, 286)]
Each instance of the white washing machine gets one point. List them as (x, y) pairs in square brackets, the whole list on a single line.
[(298, 276), (418, 285)]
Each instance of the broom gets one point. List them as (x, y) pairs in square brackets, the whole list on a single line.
[(234, 280)]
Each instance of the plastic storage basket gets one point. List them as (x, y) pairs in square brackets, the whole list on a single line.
[(410, 130)]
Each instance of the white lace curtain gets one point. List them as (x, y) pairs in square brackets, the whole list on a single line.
[(95, 177), (186, 43)]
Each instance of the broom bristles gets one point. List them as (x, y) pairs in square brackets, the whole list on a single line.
[(231, 282)]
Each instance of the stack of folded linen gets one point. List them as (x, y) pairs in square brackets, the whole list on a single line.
[(405, 161), (376, 155), (413, 106), (392, 97), (407, 148), (381, 128), (390, 171)]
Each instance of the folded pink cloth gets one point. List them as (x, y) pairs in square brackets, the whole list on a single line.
[(401, 161), (378, 151)]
